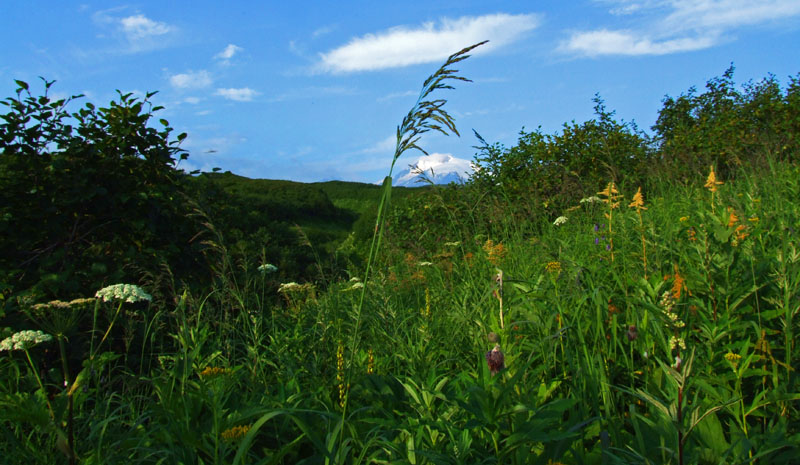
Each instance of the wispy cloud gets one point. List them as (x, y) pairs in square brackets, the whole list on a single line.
[(139, 27), (322, 31), (404, 46), (225, 56), (244, 94), (395, 95), (137, 31), (191, 80), (605, 42), (674, 26)]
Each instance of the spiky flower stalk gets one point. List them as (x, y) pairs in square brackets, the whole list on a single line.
[(638, 204)]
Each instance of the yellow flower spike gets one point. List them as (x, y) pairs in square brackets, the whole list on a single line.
[(638, 201), (711, 182), (237, 432)]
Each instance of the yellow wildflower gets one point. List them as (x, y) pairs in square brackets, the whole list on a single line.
[(237, 432), (733, 358), (213, 372), (638, 201), (711, 182), (553, 267)]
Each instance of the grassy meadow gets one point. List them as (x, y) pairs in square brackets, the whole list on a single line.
[(638, 317)]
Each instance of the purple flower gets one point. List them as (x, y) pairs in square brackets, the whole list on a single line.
[(596, 227), (596, 240), (608, 246)]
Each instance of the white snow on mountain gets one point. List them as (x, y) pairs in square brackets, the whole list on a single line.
[(441, 168)]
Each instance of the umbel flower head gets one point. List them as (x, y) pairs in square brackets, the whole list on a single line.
[(130, 293), (267, 268), (24, 340)]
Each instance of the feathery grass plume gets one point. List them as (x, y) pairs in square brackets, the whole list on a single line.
[(612, 199), (638, 204)]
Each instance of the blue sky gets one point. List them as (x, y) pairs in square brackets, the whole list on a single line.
[(312, 91)]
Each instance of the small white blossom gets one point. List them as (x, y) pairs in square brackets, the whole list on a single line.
[(592, 199), (267, 268), (24, 340), (424, 264), (560, 220), (125, 292)]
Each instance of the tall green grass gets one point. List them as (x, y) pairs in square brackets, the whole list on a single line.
[(687, 357)]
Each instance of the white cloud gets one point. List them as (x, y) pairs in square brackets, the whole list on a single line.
[(228, 53), (674, 26), (244, 94), (139, 27), (191, 80), (404, 46), (605, 42), (192, 100)]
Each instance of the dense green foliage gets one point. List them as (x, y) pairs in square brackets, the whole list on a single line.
[(652, 325)]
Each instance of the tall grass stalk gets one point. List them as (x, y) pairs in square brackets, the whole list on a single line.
[(425, 115)]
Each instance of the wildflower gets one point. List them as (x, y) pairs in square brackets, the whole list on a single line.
[(24, 340), (495, 360), (125, 292), (711, 182), (592, 199), (732, 218), (288, 287), (340, 374), (611, 195), (425, 264), (553, 267), (354, 279), (638, 201), (237, 432), (370, 362), (677, 343), (495, 252), (692, 234), (560, 220), (684, 219), (213, 372), (753, 219), (267, 268), (678, 362), (632, 333), (452, 244), (733, 358)]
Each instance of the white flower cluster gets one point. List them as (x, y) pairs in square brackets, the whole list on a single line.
[(24, 340), (560, 220), (267, 268), (288, 287), (592, 199), (124, 292)]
